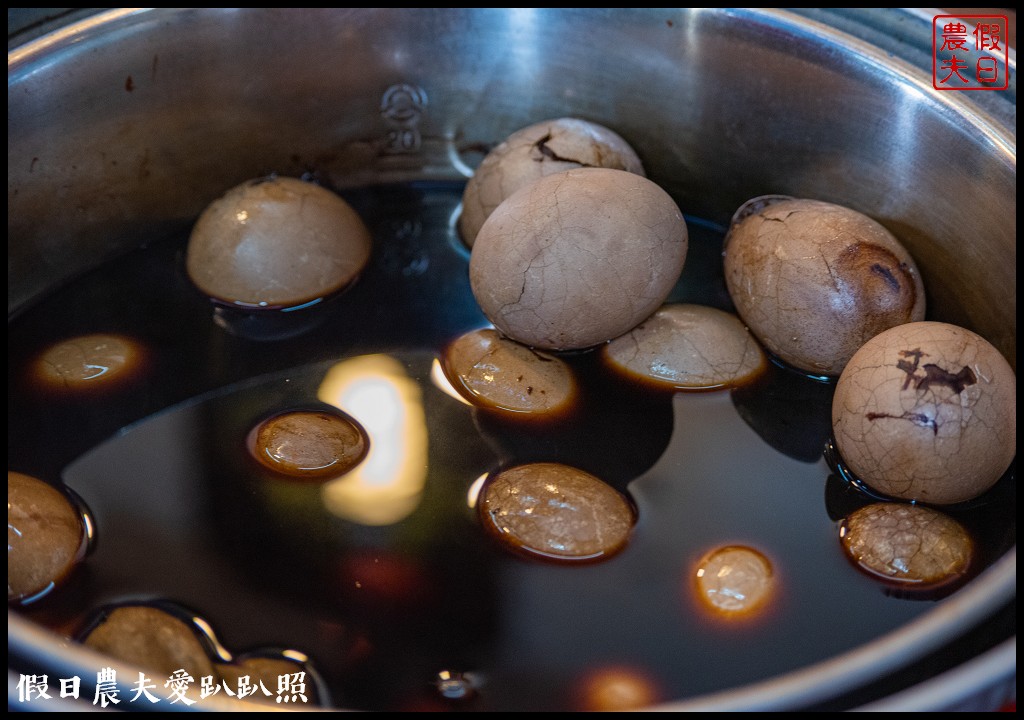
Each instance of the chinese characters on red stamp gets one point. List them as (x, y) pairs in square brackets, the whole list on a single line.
[(970, 52)]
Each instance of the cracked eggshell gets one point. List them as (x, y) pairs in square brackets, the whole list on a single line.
[(578, 258), (911, 545), (495, 372), (276, 242), (927, 411), (814, 281), (688, 347), (534, 152)]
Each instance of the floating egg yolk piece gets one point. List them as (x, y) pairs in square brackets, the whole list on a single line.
[(276, 242), (88, 361), (556, 511), (734, 580), (45, 536), (688, 347), (906, 544), (495, 372), (152, 639), (534, 152), (927, 411), (309, 444)]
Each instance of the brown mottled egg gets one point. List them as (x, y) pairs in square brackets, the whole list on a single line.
[(688, 347), (495, 372), (556, 511), (578, 258), (45, 536), (906, 544), (534, 152), (276, 242), (927, 411), (814, 281)]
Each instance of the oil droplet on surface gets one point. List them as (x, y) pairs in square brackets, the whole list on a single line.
[(734, 580), (306, 444)]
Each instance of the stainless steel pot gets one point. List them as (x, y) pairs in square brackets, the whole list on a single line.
[(131, 120)]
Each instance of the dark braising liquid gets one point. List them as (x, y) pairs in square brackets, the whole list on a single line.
[(386, 579)]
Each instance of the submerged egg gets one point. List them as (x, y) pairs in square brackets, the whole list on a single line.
[(906, 544), (499, 373), (734, 581), (46, 536), (88, 361), (813, 281), (688, 347), (152, 639), (276, 242), (534, 152), (309, 444), (617, 689), (578, 258), (927, 411), (556, 511)]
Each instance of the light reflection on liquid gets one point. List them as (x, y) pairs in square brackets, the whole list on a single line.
[(474, 490), (223, 654), (378, 393), (442, 383)]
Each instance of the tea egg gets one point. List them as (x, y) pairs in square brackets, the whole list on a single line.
[(150, 638), (578, 258), (906, 544), (556, 511), (534, 152), (688, 347), (927, 411), (89, 361), (276, 242), (498, 373), (45, 536), (309, 444), (814, 281), (734, 580)]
